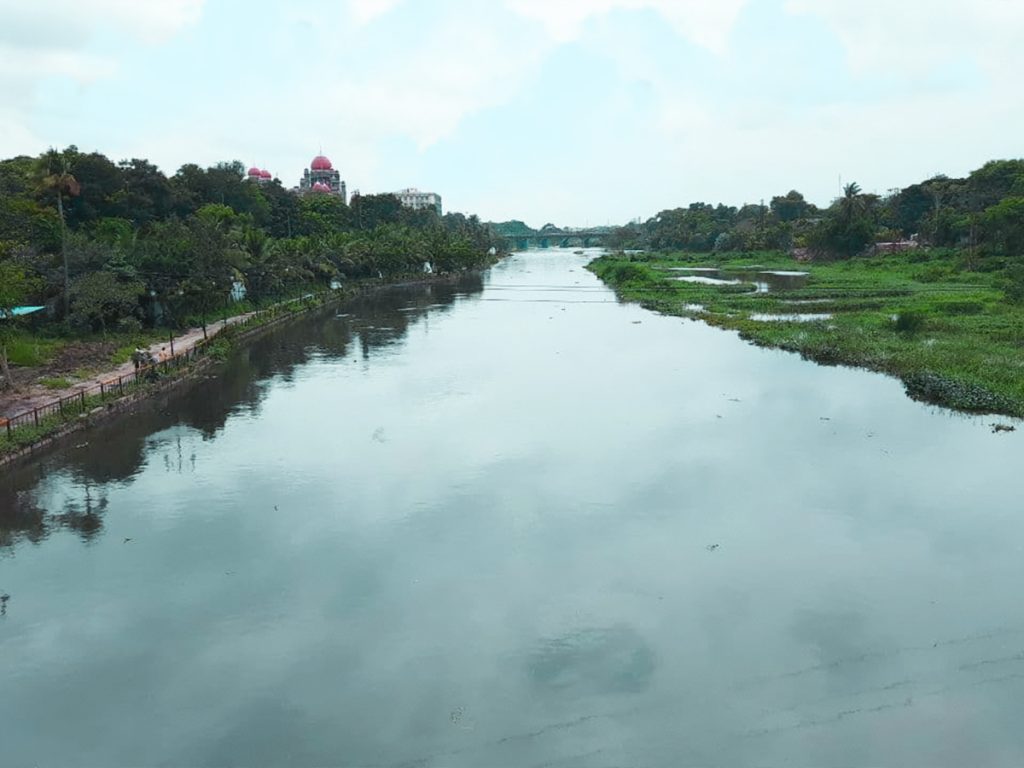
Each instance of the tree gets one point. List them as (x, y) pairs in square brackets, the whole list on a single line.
[(101, 299), (370, 211), (146, 195), (849, 228), (101, 182), (261, 266), (994, 181), (1003, 226), (58, 181), (790, 207), (320, 215), (209, 268), (15, 286), (853, 203)]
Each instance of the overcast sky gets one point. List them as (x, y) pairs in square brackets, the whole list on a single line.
[(572, 111)]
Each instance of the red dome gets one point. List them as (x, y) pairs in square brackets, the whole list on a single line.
[(266, 175), (321, 163), (321, 187), (254, 171)]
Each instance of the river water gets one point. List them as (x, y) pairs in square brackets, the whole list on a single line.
[(511, 522)]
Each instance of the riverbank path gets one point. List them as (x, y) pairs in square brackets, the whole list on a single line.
[(35, 395)]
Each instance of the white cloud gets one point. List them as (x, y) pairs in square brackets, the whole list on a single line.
[(365, 11), (36, 63), (914, 36), (426, 93), (73, 22), (705, 23), (50, 38)]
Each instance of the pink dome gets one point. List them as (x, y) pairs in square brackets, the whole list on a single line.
[(321, 187), (321, 163), (254, 171), (266, 175)]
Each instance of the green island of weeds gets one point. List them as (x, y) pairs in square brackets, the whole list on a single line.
[(954, 337)]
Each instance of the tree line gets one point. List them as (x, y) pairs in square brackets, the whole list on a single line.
[(982, 214), (119, 245)]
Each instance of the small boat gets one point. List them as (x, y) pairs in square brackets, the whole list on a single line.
[(578, 253)]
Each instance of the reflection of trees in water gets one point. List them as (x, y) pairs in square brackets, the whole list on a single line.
[(117, 450), (84, 516), (21, 517)]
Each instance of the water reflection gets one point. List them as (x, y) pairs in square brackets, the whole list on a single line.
[(115, 452), (594, 661), (764, 281), (535, 531)]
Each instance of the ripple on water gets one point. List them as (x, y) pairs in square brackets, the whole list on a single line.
[(593, 661)]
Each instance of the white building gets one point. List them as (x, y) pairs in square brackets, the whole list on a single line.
[(413, 198)]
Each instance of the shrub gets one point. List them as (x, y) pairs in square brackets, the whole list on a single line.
[(962, 307), (931, 387), (1014, 286), (627, 273), (910, 322)]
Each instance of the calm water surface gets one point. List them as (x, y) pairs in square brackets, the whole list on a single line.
[(513, 523)]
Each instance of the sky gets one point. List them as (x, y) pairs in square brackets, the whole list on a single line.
[(578, 112)]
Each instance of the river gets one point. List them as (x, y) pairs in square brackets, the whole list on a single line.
[(511, 522)]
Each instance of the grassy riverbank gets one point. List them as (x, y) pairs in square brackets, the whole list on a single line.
[(950, 334)]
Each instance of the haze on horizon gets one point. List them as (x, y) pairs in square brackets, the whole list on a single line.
[(575, 111)]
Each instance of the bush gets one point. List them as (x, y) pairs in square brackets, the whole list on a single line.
[(910, 322), (935, 273), (619, 274), (931, 387), (962, 307), (1014, 285)]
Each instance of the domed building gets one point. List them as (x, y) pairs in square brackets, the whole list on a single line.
[(322, 178), (259, 175)]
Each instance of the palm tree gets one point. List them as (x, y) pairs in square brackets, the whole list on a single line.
[(259, 262), (852, 203), (57, 180)]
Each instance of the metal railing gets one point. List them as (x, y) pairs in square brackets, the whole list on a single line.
[(49, 416)]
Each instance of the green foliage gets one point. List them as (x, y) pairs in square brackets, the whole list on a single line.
[(1014, 284), (1004, 226), (101, 300), (963, 395), (994, 181), (790, 207), (623, 273), (128, 246), (910, 322)]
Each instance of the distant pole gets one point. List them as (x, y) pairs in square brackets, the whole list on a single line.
[(171, 334)]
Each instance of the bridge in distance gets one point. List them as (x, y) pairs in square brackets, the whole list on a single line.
[(555, 237)]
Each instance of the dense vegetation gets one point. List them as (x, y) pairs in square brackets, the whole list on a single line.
[(118, 247), (982, 214), (926, 284)]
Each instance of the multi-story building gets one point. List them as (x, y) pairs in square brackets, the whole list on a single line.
[(413, 198), (322, 178)]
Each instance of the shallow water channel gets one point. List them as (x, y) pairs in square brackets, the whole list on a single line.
[(511, 522)]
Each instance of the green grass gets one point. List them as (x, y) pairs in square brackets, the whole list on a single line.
[(28, 350), (126, 345), (55, 383), (951, 335)]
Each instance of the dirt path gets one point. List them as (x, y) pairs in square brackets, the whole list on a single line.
[(36, 395)]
